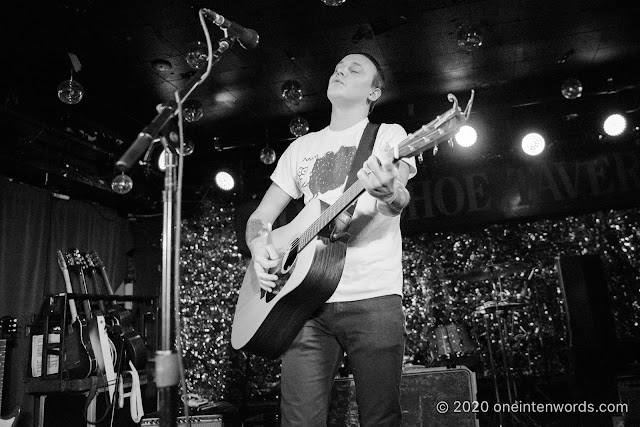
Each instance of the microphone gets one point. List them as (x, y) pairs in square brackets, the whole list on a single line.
[(247, 37)]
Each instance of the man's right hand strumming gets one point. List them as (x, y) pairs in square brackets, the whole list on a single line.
[(264, 257)]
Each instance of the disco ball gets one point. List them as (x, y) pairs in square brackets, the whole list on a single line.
[(192, 110), (70, 92), (299, 126), (122, 184), (267, 155), (571, 88), (189, 146), (291, 90), (197, 55), (469, 38)]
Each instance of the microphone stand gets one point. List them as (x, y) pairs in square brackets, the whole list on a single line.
[(167, 372)]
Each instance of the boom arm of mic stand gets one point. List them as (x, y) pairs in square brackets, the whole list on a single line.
[(150, 132)]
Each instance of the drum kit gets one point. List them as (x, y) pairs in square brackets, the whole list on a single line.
[(452, 343)]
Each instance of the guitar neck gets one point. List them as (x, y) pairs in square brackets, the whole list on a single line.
[(105, 277), (3, 353), (331, 212), (442, 128), (97, 289), (343, 202), (86, 304)]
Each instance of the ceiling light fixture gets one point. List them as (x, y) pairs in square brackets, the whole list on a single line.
[(614, 124), (224, 180), (533, 144), (161, 65), (466, 136)]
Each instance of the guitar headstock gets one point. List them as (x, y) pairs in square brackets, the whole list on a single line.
[(61, 260), (88, 260), (8, 328), (69, 259), (94, 259), (440, 129), (78, 259)]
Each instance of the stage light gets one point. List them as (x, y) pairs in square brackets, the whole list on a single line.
[(615, 124), (533, 144), (224, 180), (466, 136)]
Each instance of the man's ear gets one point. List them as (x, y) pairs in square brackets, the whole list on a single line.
[(375, 94)]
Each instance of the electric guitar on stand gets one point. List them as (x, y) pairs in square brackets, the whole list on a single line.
[(78, 358), (311, 264), (8, 332), (119, 319), (103, 347)]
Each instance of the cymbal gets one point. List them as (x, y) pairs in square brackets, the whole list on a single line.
[(492, 271), (491, 306)]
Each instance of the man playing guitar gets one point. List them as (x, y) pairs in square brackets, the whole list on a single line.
[(364, 317)]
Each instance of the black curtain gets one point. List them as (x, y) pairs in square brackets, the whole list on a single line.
[(33, 225)]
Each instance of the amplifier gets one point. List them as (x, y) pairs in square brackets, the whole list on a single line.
[(629, 393), (195, 420), (420, 392)]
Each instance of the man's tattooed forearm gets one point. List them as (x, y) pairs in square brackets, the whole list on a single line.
[(254, 228)]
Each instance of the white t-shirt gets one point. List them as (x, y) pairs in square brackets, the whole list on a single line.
[(316, 165)]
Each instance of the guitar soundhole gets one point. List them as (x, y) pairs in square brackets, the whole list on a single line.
[(290, 259), (283, 272)]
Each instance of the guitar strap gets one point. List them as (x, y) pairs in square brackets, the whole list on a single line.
[(364, 150)]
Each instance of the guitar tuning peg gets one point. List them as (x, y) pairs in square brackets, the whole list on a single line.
[(435, 150), (420, 158)]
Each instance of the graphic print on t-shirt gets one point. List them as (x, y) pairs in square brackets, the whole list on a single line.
[(328, 172)]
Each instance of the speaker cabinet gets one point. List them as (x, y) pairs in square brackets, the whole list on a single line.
[(586, 297), (592, 338), (421, 390)]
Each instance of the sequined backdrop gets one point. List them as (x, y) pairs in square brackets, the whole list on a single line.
[(436, 298)]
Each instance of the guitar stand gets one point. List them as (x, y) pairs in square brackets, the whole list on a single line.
[(54, 313), (497, 316)]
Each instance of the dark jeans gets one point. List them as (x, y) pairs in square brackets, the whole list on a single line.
[(372, 332)]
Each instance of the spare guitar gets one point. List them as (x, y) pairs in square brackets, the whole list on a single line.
[(76, 265), (102, 345), (79, 359), (8, 332), (120, 320), (311, 264)]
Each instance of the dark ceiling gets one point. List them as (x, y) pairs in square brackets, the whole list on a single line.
[(529, 49)]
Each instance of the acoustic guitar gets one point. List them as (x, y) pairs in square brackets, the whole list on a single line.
[(8, 332), (311, 263)]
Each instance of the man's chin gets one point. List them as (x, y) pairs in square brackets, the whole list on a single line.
[(335, 93)]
